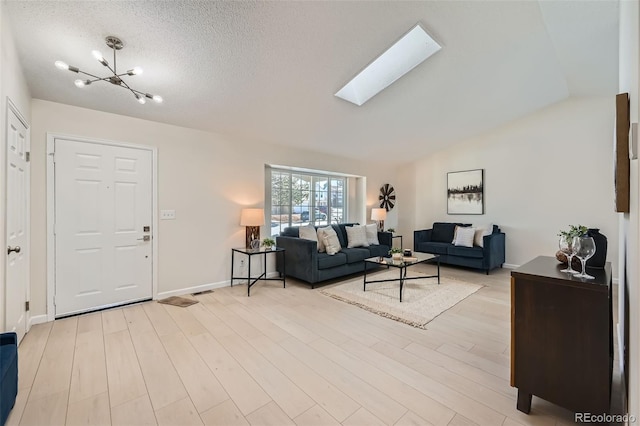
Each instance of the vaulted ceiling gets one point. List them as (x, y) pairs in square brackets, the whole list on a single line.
[(267, 71)]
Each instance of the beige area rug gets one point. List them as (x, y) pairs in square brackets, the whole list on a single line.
[(183, 302), (422, 299)]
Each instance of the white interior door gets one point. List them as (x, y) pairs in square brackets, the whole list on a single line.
[(103, 214), (17, 248)]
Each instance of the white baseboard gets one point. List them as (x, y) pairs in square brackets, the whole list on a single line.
[(190, 290), (205, 287), (37, 319)]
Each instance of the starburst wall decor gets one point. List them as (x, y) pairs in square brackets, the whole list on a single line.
[(387, 197)]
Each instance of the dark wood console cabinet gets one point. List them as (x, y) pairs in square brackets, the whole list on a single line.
[(561, 336)]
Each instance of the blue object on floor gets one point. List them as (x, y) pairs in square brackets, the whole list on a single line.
[(8, 374)]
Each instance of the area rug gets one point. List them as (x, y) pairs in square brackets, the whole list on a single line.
[(183, 302), (422, 299)]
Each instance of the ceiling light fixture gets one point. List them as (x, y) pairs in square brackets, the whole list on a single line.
[(407, 53), (116, 79)]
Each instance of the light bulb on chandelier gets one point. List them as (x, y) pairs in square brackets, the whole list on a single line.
[(116, 79)]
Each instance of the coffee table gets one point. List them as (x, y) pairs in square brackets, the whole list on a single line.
[(401, 265)]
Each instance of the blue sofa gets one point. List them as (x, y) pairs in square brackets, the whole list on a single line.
[(8, 374), (305, 263), (438, 240)]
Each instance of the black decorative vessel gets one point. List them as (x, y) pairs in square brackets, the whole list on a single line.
[(600, 257)]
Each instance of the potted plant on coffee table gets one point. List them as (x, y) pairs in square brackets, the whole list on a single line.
[(396, 253)]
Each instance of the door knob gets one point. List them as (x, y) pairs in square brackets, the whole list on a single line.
[(145, 238), (10, 249)]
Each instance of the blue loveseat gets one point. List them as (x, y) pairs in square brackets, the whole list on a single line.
[(305, 263), (438, 240)]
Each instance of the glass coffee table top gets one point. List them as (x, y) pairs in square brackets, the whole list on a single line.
[(405, 261), (402, 265)]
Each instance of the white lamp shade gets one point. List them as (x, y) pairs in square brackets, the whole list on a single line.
[(378, 214), (252, 217)]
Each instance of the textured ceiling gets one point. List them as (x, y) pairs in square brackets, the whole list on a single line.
[(267, 71)]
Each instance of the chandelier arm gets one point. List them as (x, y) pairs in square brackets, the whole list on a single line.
[(134, 91), (107, 79), (126, 86), (111, 69), (91, 75)]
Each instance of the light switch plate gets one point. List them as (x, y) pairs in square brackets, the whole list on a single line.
[(167, 214)]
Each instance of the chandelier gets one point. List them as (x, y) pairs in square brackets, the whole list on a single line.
[(116, 79)]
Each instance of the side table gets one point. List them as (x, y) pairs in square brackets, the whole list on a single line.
[(561, 336), (250, 253)]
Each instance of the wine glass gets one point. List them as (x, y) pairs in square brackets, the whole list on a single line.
[(585, 248), (566, 246)]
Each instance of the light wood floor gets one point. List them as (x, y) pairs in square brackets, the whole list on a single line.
[(281, 357)]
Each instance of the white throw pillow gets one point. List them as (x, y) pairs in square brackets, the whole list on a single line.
[(331, 241), (356, 236), (308, 233), (372, 234), (464, 236), (321, 247), (455, 234), (481, 232)]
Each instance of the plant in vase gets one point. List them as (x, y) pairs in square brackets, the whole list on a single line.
[(269, 243), (396, 253)]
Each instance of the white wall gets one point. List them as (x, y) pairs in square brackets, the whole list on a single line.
[(629, 223), (12, 86), (542, 173), (205, 177), (406, 207)]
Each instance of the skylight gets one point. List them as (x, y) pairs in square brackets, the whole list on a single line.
[(408, 52)]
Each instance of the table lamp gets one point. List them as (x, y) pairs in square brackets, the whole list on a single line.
[(379, 215), (252, 219)]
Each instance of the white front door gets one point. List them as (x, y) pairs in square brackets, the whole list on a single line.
[(17, 247), (103, 215)]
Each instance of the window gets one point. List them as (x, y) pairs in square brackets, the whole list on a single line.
[(302, 198)]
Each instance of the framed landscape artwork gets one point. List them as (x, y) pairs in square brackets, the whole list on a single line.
[(465, 192)]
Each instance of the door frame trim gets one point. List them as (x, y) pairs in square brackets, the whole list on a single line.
[(12, 108), (51, 260)]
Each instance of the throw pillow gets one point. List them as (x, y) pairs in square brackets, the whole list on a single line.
[(356, 236), (372, 234), (321, 248), (331, 241), (455, 235), (442, 232), (464, 237), (308, 233), (455, 230), (481, 232)]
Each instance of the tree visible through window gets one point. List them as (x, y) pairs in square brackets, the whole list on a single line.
[(299, 199)]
